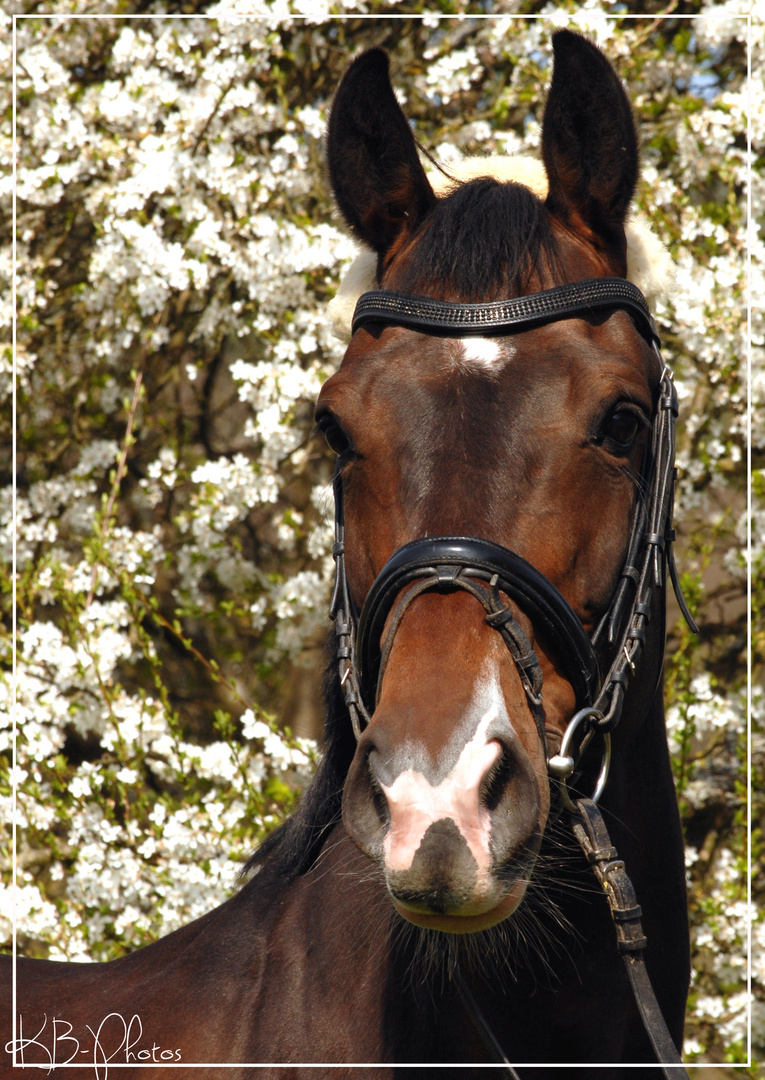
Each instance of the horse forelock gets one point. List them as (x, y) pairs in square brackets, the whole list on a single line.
[(488, 240), (649, 265)]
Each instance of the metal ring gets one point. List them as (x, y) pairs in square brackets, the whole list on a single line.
[(562, 764)]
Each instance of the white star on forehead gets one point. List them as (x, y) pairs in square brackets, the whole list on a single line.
[(484, 352)]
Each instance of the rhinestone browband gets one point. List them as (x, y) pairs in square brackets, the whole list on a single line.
[(564, 301)]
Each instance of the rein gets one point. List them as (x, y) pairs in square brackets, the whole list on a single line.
[(487, 570)]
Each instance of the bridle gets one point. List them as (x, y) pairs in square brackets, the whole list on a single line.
[(462, 562), (487, 571)]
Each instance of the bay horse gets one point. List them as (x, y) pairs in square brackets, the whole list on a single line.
[(503, 427)]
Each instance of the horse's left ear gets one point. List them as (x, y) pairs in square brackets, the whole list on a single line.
[(589, 143), (374, 168)]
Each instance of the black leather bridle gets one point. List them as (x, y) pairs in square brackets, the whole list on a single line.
[(488, 571)]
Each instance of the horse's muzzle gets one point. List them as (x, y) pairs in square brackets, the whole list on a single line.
[(454, 844)]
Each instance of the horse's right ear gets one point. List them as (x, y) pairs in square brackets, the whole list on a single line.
[(376, 176)]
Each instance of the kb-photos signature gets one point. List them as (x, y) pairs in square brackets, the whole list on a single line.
[(114, 1042)]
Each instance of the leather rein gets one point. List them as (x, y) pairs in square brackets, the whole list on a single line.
[(488, 570)]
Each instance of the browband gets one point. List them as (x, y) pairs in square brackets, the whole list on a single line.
[(562, 302)]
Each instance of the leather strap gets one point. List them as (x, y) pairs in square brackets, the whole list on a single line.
[(444, 560), (590, 830), (535, 595), (563, 302), (441, 561)]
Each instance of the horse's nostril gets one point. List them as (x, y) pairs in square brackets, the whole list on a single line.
[(376, 777), (379, 801), (495, 782)]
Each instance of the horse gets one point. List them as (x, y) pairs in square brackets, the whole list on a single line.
[(502, 421)]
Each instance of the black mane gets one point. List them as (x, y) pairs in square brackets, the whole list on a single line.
[(485, 237), (295, 845)]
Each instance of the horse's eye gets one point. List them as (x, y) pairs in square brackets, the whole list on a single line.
[(336, 438), (621, 429)]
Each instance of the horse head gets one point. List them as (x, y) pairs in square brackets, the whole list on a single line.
[(532, 439)]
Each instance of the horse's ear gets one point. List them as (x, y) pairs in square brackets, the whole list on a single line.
[(589, 143), (375, 172)]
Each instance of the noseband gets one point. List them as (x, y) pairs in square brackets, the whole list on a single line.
[(487, 570)]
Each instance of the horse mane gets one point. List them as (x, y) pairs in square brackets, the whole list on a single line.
[(649, 265), (293, 847)]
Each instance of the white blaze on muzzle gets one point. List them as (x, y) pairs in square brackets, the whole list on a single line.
[(415, 803)]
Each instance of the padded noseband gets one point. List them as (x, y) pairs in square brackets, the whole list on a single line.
[(484, 561)]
